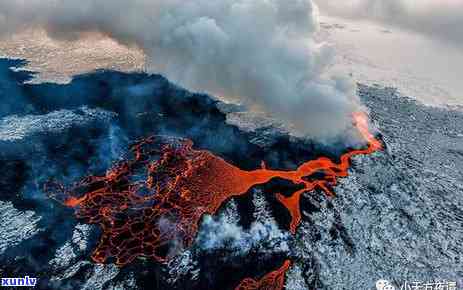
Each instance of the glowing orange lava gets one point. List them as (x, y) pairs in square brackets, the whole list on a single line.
[(272, 281), (151, 205)]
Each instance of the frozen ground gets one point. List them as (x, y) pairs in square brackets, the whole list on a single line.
[(423, 68), (397, 217), (58, 61)]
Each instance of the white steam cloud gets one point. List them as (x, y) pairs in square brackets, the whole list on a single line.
[(441, 19), (224, 231), (220, 233), (260, 51)]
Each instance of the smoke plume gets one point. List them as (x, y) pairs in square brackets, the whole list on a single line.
[(260, 51), (441, 19)]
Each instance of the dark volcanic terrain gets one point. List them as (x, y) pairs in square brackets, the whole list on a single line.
[(398, 216)]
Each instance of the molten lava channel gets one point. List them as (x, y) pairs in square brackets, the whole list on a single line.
[(274, 280), (150, 205)]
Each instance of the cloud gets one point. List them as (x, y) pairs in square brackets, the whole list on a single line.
[(262, 52), (441, 19), (224, 231), (220, 233)]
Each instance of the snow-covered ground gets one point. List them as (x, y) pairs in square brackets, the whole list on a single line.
[(59, 60), (426, 69)]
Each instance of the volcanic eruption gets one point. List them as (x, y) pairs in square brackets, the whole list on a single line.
[(275, 64), (223, 163), (151, 203)]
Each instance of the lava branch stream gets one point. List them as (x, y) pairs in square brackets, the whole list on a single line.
[(152, 203), (274, 280)]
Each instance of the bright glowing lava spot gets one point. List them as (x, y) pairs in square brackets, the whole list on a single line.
[(274, 280), (151, 204)]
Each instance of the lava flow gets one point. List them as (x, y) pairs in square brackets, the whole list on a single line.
[(274, 280), (151, 204)]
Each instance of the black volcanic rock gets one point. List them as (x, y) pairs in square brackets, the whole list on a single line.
[(398, 216), (64, 132)]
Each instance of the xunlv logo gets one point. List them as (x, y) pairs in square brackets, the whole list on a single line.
[(19, 282)]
